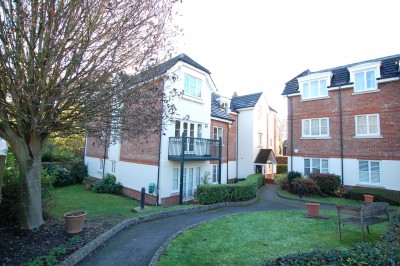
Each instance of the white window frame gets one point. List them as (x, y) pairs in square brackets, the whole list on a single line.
[(307, 128), (363, 69), (219, 133), (101, 166), (322, 170), (175, 179), (368, 126), (189, 90), (369, 171), (306, 82), (196, 171), (215, 172), (113, 166)]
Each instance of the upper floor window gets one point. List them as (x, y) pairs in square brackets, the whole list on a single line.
[(192, 86), (365, 80), (314, 89), (315, 127), (364, 76), (218, 133), (314, 85), (367, 125)]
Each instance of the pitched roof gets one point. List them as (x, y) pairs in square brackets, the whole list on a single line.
[(264, 156), (162, 68), (245, 101), (341, 76), (217, 110)]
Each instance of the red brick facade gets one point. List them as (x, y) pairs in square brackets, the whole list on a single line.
[(385, 102)]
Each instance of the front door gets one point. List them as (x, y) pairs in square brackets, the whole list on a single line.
[(188, 189)]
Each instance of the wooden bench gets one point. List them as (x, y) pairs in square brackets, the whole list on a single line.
[(364, 215)]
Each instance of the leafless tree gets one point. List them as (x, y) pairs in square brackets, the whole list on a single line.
[(282, 130), (60, 61)]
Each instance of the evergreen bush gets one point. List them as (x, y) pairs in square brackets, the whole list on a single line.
[(328, 183), (384, 195), (281, 168), (108, 185), (310, 187)]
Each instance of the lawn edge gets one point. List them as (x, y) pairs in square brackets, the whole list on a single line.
[(80, 254)]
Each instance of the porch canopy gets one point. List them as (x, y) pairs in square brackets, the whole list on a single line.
[(265, 156)]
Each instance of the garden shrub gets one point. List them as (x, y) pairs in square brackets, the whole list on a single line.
[(108, 185), (384, 195), (385, 252), (292, 175), (310, 187), (284, 184), (278, 178), (241, 191), (79, 172), (328, 183), (62, 176), (281, 168)]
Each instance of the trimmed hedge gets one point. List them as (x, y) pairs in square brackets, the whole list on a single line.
[(108, 185), (241, 191), (385, 252), (310, 187), (390, 196), (328, 183), (281, 168)]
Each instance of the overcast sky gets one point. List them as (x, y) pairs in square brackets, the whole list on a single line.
[(258, 45)]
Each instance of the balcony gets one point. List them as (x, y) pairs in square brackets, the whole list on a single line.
[(195, 149)]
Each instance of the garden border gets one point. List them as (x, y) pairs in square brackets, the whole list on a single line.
[(80, 254)]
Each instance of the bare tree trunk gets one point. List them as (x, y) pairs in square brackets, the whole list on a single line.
[(2, 166), (30, 196)]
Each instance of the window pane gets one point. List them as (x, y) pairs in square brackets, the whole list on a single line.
[(359, 80), (375, 172), (361, 125), (371, 80), (199, 131), (324, 126), (198, 88), (306, 162), (314, 127), (186, 85), (363, 171), (306, 92), (306, 127), (324, 164), (197, 176), (315, 165), (177, 129), (314, 88), (192, 86), (322, 85), (373, 124)]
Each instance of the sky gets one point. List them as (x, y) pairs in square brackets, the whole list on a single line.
[(258, 45)]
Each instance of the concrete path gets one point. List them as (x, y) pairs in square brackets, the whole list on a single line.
[(137, 244)]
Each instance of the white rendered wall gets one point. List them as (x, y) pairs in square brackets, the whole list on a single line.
[(245, 143), (390, 179)]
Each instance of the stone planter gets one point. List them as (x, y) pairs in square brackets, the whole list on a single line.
[(74, 221), (368, 198), (313, 209)]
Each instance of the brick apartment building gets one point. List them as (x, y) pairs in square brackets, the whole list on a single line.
[(209, 144), (346, 120)]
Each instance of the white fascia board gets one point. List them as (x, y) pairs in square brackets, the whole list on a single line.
[(388, 80), (221, 120), (321, 75), (294, 94), (245, 109)]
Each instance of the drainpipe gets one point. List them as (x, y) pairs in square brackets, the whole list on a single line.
[(341, 132), (227, 156), (291, 133), (220, 160), (237, 145), (159, 145), (183, 148)]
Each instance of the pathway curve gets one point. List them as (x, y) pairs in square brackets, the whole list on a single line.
[(137, 244)]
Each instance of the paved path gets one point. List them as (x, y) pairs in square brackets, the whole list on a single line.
[(137, 244)]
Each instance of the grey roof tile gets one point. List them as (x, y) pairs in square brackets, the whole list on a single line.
[(340, 75), (245, 101), (217, 110)]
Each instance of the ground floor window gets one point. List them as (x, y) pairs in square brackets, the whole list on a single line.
[(215, 172), (101, 167), (189, 175), (113, 166), (369, 171), (313, 165)]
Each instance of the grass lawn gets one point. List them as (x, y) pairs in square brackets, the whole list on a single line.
[(250, 239), (97, 205)]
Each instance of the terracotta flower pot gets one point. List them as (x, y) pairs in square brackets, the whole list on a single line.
[(88, 186), (368, 198), (74, 221), (313, 209)]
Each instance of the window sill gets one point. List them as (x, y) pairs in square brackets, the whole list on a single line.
[(193, 99), (99, 171), (369, 185), (315, 99), (366, 91), (315, 138), (368, 137)]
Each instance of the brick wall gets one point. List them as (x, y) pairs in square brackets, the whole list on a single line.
[(386, 103), (95, 148)]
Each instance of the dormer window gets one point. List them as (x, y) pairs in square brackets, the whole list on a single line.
[(314, 85), (364, 76), (192, 86)]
